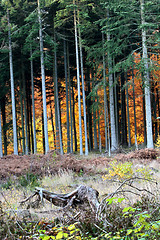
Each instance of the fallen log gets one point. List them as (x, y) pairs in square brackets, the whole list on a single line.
[(80, 195)]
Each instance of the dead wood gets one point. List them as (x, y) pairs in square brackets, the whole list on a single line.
[(79, 196)]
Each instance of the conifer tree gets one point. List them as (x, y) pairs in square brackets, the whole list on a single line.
[(12, 89), (43, 81)]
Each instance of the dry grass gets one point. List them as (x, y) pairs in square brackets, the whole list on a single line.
[(66, 181)]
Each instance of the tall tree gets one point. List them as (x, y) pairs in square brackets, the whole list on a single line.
[(78, 79), (12, 88), (146, 80), (67, 103), (43, 80), (114, 143), (33, 104), (83, 89), (105, 96)]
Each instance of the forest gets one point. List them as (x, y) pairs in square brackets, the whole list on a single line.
[(77, 76)]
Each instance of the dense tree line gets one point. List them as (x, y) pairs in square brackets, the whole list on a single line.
[(78, 75)]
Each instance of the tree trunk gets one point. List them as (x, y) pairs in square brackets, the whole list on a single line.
[(94, 114), (67, 104), (56, 99), (128, 118), (43, 81), (157, 93), (134, 110), (22, 117), (144, 119), (74, 122), (105, 96), (146, 80), (3, 112), (70, 98), (33, 105), (123, 113), (54, 139), (78, 82), (116, 106), (1, 150), (83, 92), (25, 109), (114, 143), (153, 101), (89, 109), (12, 89)]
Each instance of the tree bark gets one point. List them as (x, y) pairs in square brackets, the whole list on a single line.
[(83, 92), (105, 96), (114, 143), (56, 99), (67, 104), (123, 113), (33, 105), (146, 80), (43, 81), (134, 110), (12, 89), (1, 150), (4, 129), (78, 82), (128, 117), (70, 99)]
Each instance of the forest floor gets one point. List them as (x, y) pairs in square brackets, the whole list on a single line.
[(51, 163), (61, 174)]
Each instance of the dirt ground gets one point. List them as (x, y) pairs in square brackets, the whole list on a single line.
[(50, 163)]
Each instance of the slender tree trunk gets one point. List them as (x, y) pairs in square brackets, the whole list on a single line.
[(123, 113), (30, 118), (116, 105), (67, 104), (114, 143), (144, 119), (105, 96), (12, 89), (22, 117), (94, 114), (70, 98), (83, 91), (33, 105), (1, 150), (146, 81), (109, 142), (153, 101), (74, 122), (99, 133), (3, 112), (54, 139), (43, 137), (89, 109), (128, 118), (134, 110), (25, 109), (78, 81), (43, 81), (157, 93), (57, 108)]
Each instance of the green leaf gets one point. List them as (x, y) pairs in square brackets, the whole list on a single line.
[(129, 231), (120, 200), (110, 200), (59, 235)]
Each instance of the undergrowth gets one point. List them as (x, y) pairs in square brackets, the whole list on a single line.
[(140, 221), (118, 219)]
